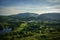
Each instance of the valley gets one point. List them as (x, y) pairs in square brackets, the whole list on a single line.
[(29, 26)]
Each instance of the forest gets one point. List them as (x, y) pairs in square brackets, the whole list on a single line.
[(30, 30)]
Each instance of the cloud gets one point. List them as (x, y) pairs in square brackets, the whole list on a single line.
[(9, 7), (32, 9), (53, 1), (8, 11), (28, 2)]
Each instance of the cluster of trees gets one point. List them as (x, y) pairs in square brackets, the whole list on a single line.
[(25, 30)]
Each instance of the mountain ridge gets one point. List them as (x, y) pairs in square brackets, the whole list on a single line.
[(33, 16)]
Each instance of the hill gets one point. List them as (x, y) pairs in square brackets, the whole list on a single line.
[(49, 16)]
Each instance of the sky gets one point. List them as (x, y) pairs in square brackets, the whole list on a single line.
[(11, 7)]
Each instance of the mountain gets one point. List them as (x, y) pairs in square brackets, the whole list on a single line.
[(32, 16), (49, 16), (25, 16), (20, 16)]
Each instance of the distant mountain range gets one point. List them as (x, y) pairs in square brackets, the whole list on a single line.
[(49, 16), (32, 16)]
